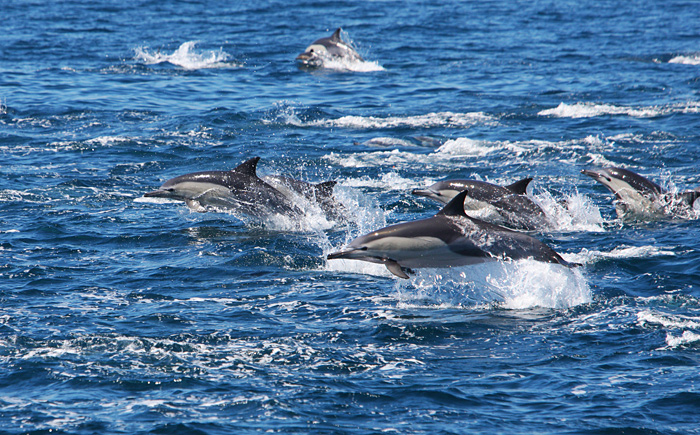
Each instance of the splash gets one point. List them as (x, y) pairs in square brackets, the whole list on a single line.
[(352, 65), (686, 60), (186, 57), (511, 284), (573, 212)]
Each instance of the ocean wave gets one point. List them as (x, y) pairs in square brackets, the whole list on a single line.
[(186, 57), (675, 321), (289, 115), (685, 339), (590, 110), (433, 119)]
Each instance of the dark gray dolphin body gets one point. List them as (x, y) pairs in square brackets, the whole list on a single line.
[(511, 205), (327, 48), (450, 238), (637, 196), (240, 190)]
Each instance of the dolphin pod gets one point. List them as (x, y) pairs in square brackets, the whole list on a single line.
[(451, 237)]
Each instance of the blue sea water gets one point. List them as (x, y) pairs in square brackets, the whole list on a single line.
[(123, 314)]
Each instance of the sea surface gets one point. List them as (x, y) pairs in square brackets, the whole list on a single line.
[(121, 314)]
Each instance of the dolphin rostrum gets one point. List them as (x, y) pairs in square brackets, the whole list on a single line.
[(332, 47), (637, 196), (450, 238), (509, 205)]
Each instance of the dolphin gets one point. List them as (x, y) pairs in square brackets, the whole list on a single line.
[(509, 205), (448, 239), (327, 48), (239, 189), (637, 196)]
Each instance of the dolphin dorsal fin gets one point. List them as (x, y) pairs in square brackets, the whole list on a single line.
[(325, 189), (248, 167), (520, 187), (455, 207), (336, 35)]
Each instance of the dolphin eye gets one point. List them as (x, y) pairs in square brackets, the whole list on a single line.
[(364, 248)]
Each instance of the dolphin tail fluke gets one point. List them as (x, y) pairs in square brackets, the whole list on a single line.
[(396, 269), (520, 187)]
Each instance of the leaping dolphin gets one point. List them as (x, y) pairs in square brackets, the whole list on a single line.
[(332, 47), (510, 205), (637, 196), (448, 239), (239, 189)]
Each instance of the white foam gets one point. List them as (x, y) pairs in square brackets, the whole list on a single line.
[(433, 119), (387, 182), (686, 60), (686, 338), (354, 65), (186, 57), (587, 256), (668, 321), (465, 147), (590, 110)]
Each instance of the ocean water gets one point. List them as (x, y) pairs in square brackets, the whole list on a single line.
[(127, 315)]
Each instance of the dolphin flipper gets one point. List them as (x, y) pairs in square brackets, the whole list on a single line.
[(195, 205), (395, 268)]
